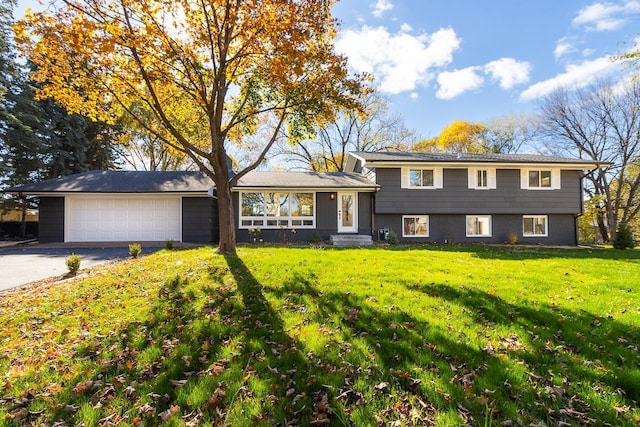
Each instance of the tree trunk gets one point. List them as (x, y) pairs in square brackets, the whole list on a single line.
[(602, 228), (226, 219), (23, 218)]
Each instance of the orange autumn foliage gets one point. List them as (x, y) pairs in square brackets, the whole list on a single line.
[(201, 76)]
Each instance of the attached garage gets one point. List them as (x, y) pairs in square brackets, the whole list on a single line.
[(126, 206), (123, 219)]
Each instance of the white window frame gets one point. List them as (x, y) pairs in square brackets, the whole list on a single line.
[(405, 181), (466, 222), (546, 225), (416, 217), (472, 177), (556, 178), (282, 221)]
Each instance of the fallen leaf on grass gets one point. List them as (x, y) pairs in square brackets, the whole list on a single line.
[(88, 385), (178, 383), (146, 409), (217, 397), (165, 415), (216, 368)]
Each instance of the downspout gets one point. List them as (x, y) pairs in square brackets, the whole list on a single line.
[(581, 200), (373, 217)]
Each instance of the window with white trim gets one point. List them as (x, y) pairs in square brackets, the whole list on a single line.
[(277, 209), (540, 179), (421, 178), (415, 226), (535, 226), (482, 178), (478, 225)]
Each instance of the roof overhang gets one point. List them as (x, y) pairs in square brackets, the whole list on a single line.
[(495, 164), (306, 189), (108, 193)]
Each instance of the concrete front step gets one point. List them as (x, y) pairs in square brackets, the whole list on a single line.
[(344, 240)]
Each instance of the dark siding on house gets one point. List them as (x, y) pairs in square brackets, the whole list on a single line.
[(326, 221), (199, 219), (455, 197), (452, 229), (326, 215), (364, 213), (51, 223)]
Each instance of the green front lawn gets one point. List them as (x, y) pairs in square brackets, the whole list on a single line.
[(433, 335)]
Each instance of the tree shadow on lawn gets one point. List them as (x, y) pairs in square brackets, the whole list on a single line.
[(369, 362), (588, 363), (414, 361), (242, 352)]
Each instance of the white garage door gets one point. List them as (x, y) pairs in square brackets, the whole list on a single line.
[(121, 219)]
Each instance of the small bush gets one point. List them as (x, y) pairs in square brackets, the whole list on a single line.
[(624, 237), (315, 237), (169, 244), (392, 237), (513, 238), (254, 234), (134, 249), (73, 263)]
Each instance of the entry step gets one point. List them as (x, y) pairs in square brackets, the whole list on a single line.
[(344, 240)]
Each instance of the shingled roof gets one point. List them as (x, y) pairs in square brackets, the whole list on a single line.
[(295, 179), (469, 158), (122, 182), (187, 182)]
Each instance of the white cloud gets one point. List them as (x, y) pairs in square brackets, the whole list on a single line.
[(399, 61), (563, 46), (575, 75), (406, 28), (508, 72), (381, 7), (414, 95), (606, 16), (454, 83)]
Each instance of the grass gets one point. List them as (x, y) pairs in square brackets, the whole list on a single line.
[(433, 335)]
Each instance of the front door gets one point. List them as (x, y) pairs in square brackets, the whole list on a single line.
[(348, 212)]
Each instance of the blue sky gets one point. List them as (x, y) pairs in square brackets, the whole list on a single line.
[(475, 60)]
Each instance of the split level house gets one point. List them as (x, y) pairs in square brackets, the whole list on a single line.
[(456, 198)]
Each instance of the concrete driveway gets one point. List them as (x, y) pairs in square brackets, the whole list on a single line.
[(20, 265)]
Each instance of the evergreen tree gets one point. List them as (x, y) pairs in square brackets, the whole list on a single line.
[(20, 146), (624, 237), (39, 139), (74, 143)]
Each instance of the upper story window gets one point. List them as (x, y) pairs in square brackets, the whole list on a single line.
[(540, 179), (482, 178), (422, 178)]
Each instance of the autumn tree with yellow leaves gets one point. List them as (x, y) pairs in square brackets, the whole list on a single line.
[(459, 136), (212, 73)]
